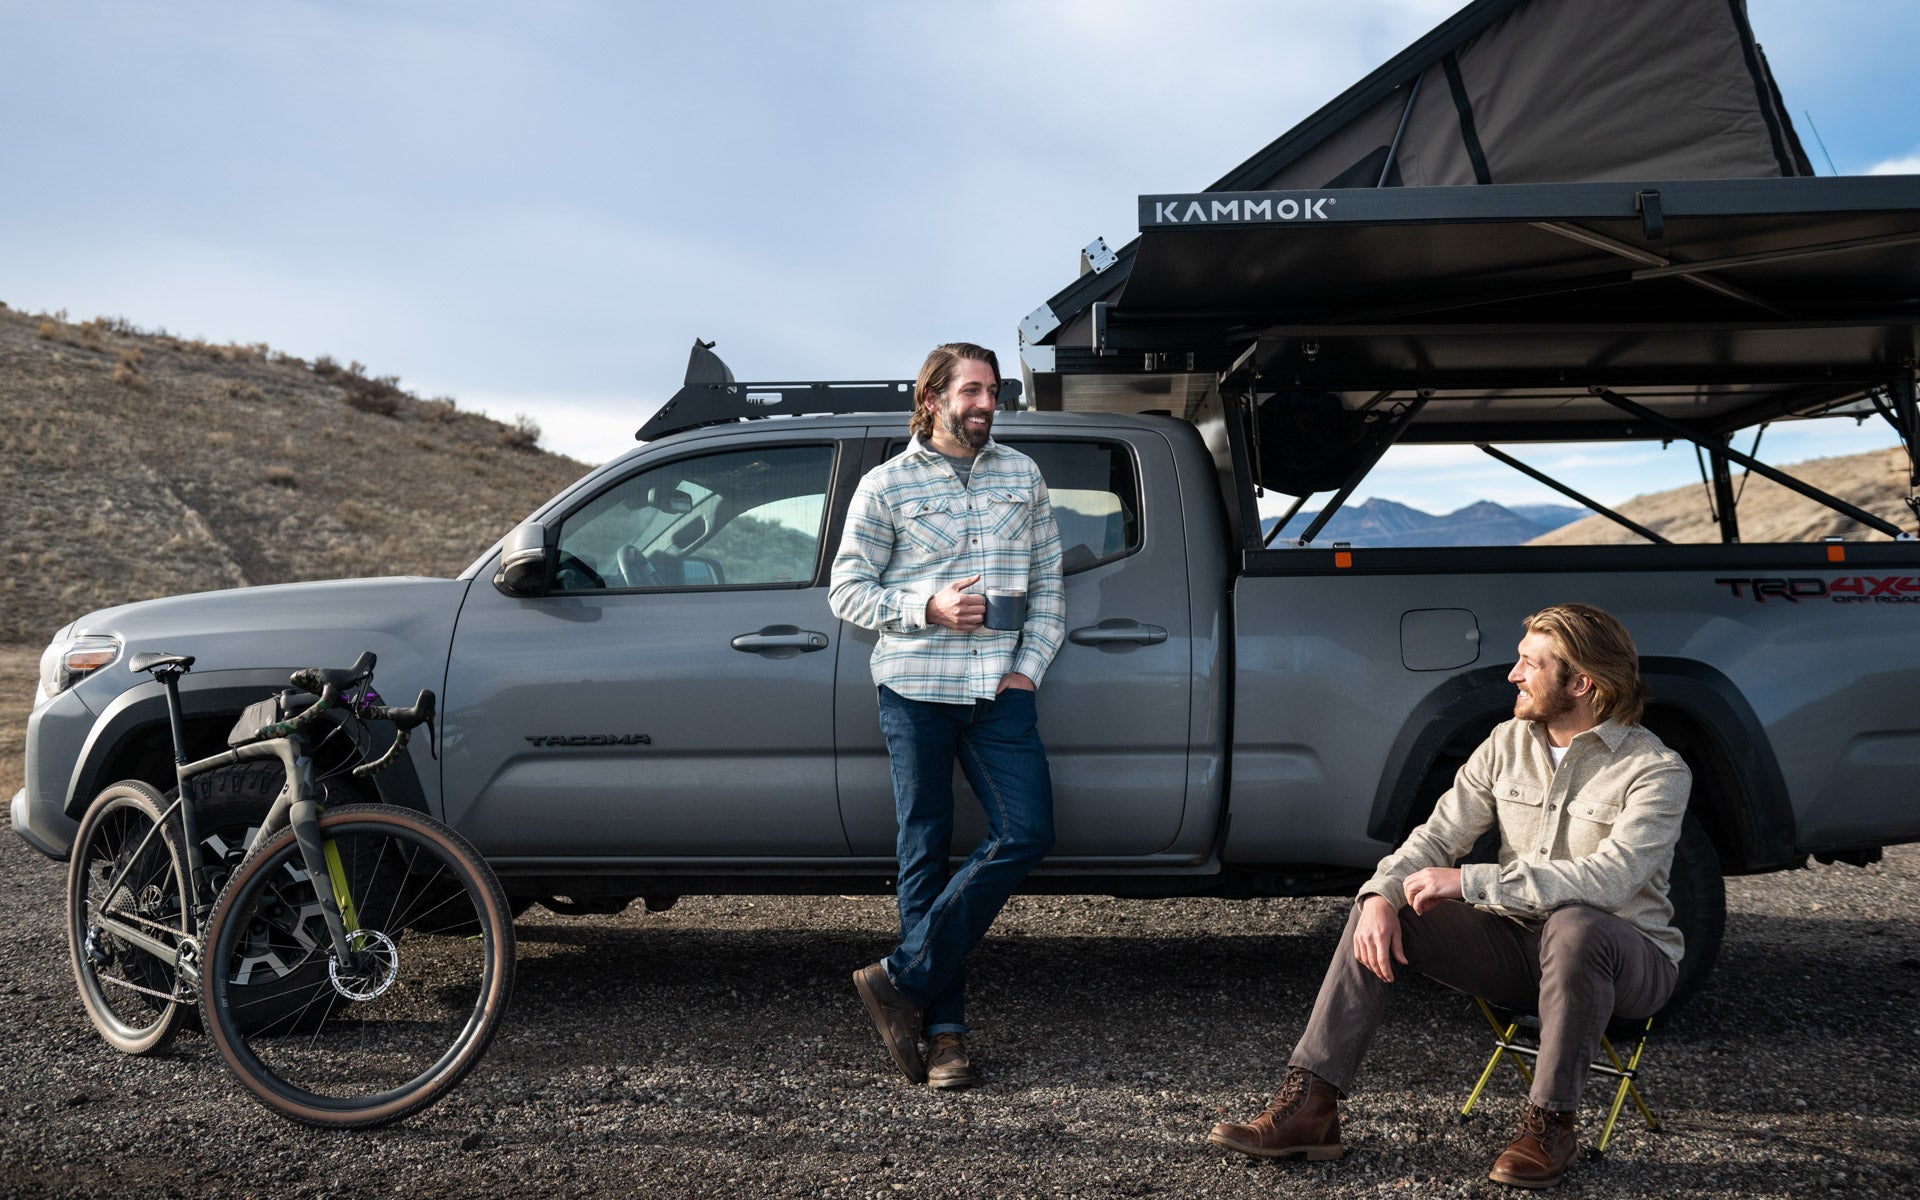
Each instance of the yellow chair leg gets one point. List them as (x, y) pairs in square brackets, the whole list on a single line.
[(1482, 1085), (1503, 1035), (1627, 1088)]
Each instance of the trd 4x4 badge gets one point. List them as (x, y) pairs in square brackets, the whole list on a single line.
[(1847, 589)]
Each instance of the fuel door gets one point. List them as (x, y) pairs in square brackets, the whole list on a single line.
[(1438, 639)]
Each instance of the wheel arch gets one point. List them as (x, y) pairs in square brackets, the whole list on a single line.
[(1739, 794)]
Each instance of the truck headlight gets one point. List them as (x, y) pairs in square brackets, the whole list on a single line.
[(69, 660)]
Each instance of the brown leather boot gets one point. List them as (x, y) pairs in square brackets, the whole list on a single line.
[(1538, 1155), (947, 1063), (895, 1018), (1303, 1121)]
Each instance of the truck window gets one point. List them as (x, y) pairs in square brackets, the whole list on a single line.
[(1095, 497), (741, 518), (1095, 493)]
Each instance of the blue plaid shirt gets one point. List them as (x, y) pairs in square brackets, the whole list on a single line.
[(913, 529)]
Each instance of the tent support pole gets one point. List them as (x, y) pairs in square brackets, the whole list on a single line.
[(1573, 495), (1725, 502), (1353, 481), (1722, 453), (1386, 168)]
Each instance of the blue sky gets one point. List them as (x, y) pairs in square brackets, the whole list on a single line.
[(535, 209)]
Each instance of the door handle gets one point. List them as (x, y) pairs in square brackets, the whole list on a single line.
[(1118, 633), (781, 641)]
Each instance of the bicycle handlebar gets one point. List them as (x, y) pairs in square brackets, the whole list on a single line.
[(328, 684)]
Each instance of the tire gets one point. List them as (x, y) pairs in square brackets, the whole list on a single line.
[(229, 804), (416, 1016), (125, 867), (1699, 896)]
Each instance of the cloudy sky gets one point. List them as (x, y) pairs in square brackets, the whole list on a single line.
[(535, 208)]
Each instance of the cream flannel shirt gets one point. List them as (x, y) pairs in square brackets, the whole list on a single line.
[(911, 530), (1599, 831)]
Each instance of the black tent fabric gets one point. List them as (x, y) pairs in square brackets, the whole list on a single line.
[(1517, 91), (1559, 91)]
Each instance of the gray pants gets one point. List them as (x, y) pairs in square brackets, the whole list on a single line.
[(1578, 971)]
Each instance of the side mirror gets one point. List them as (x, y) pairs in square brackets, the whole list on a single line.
[(523, 561), (669, 500)]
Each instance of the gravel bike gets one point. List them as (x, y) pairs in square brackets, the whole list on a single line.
[(350, 967)]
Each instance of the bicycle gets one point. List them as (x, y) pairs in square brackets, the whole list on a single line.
[(295, 958)]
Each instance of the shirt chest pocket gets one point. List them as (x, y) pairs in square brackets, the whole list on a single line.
[(931, 526), (1009, 516), (1595, 812), (1521, 808)]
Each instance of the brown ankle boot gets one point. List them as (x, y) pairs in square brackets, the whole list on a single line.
[(1538, 1155), (1303, 1120)]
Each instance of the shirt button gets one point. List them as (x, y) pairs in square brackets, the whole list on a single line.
[(1551, 807)]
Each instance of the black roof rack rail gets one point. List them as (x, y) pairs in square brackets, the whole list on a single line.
[(711, 396)]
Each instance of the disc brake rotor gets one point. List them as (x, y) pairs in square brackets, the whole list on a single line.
[(375, 965)]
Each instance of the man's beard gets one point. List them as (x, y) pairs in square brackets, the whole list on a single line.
[(1543, 708), (956, 426)]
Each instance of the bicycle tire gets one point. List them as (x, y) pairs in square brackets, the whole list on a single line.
[(126, 862), (382, 1041)]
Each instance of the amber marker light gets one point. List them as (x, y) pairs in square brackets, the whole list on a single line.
[(91, 658)]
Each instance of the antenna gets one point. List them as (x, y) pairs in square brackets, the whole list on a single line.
[(1816, 137)]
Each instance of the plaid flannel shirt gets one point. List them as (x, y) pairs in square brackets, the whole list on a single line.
[(912, 529)]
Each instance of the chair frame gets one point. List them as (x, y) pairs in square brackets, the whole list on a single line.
[(1506, 1036)]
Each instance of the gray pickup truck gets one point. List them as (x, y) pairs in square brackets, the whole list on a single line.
[(644, 693)]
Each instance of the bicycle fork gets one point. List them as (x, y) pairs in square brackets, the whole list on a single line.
[(321, 857)]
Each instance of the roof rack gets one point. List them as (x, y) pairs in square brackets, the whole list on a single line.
[(711, 396)]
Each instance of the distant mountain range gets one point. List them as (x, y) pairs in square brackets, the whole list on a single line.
[(1383, 523)]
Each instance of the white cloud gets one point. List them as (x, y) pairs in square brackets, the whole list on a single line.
[(1910, 165)]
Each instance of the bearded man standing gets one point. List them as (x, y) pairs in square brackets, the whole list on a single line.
[(1572, 921), (930, 534)]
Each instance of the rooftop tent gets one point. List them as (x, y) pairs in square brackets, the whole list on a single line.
[(1512, 91), (1548, 220)]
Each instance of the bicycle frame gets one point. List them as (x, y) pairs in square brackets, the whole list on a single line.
[(295, 805)]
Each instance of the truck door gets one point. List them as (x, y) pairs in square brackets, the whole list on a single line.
[(1115, 704), (673, 693)]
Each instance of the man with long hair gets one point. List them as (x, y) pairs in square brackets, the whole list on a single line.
[(1573, 920), (931, 534)]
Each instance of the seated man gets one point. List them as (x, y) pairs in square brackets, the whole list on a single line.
[(1573, 920)]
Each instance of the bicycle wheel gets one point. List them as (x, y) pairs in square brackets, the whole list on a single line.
[(125, 919), (396, 1029)]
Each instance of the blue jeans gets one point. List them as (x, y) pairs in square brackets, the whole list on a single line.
[(942, 915)]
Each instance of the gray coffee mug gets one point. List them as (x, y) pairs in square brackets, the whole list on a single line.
[(1006, 609)]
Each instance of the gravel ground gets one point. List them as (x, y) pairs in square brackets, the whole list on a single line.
[(718, 1050)]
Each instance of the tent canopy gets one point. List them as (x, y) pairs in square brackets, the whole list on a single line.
[(1472, 218), (1720, 304)]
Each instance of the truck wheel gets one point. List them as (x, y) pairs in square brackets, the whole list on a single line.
[(1699, 897)]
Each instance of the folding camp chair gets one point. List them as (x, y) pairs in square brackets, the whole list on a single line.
[(1516, 1036)]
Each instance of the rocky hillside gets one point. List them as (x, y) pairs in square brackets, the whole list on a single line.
[(1768, 512), (135, 465)]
